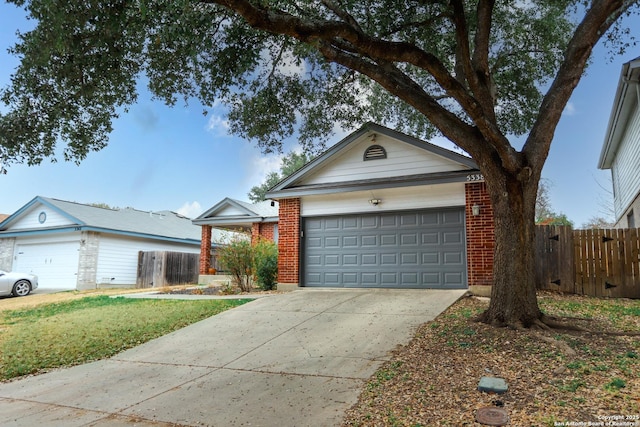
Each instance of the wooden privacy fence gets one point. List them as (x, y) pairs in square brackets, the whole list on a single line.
[(601, 263), (160, 268)]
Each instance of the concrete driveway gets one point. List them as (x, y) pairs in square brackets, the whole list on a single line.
[(295, 359)]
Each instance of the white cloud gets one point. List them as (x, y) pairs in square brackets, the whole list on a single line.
[(444, 142), (190, 210), (287, 64), (260, 166), (569, 110), (218, 125)]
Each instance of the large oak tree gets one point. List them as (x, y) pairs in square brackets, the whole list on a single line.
[(477, 71)]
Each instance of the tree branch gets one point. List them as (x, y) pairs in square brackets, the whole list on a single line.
[(337, 33), (342, 14), (480, 58), (596, 22), (426, 22), (400, 85), (478, 76)]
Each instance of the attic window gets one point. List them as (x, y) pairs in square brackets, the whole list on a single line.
[(375, 152)]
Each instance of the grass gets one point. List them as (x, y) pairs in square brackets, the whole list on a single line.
[(620, 313), (78, 331)]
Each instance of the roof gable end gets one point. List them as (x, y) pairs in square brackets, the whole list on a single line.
[(71, 216), (348, 161), (29, 215), (231, 212), (228, 207)]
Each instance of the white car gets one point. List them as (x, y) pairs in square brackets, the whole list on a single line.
[(17, 284)]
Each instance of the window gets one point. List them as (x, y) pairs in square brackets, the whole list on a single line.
[(375, 152)]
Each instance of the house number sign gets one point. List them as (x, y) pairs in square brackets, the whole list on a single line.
[(475, 177)]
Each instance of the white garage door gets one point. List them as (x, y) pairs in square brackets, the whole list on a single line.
[(55, 263), (416, 249)]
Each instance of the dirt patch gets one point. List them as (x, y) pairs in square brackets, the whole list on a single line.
[(33, 300), (212, 290)]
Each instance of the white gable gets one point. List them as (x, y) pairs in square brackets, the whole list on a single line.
[(39, 216), (230, 211), (402, 159)]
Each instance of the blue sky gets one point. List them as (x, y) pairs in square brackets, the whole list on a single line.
[(162, 158)]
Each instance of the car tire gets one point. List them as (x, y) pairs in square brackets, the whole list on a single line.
[(21, 288)]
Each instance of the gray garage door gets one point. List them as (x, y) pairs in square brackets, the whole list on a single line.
[(417, 249)]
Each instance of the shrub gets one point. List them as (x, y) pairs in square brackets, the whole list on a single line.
[(266, 264), (236, 257)]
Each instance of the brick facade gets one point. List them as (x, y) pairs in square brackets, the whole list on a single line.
[(205, 250), (258, 230), (480, 234), (289, 241), (265, 230)]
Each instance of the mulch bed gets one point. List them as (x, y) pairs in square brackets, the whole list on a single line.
[(212, 290), (433, 381), (209, 290)]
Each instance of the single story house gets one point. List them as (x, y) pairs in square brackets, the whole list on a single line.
[(378, 209), (77, 246), (621, 148), (257, 219)]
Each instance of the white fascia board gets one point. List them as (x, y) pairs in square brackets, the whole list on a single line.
[(626, 94)]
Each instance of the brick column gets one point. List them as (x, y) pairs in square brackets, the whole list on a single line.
[(205, 250), (289, 242), (480, 235), (255, 232)]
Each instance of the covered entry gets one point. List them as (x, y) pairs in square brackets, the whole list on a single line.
[(412, 249)]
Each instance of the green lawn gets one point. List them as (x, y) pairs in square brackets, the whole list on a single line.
[(91, 328)]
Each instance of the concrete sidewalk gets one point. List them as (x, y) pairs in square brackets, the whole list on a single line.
[(295, 359)]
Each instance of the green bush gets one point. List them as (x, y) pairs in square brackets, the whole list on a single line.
[(266, 264), (236, 257)]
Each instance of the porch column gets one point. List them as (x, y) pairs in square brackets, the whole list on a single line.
[(255, 233), (289, 244), (205, 249), (480, 238)]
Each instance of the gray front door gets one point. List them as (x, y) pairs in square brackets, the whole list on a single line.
[(415, 249)]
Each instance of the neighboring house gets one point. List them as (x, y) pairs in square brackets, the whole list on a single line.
[(77, 246), (621, 149), (259, 219), (378, 209)]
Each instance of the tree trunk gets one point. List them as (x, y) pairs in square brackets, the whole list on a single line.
[(513, 294)]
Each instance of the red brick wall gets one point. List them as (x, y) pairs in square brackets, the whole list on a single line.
[(480, 236), (205, 250), (289, 241), (264, 230)]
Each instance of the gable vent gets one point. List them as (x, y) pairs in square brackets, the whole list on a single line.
[(375, 152)]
